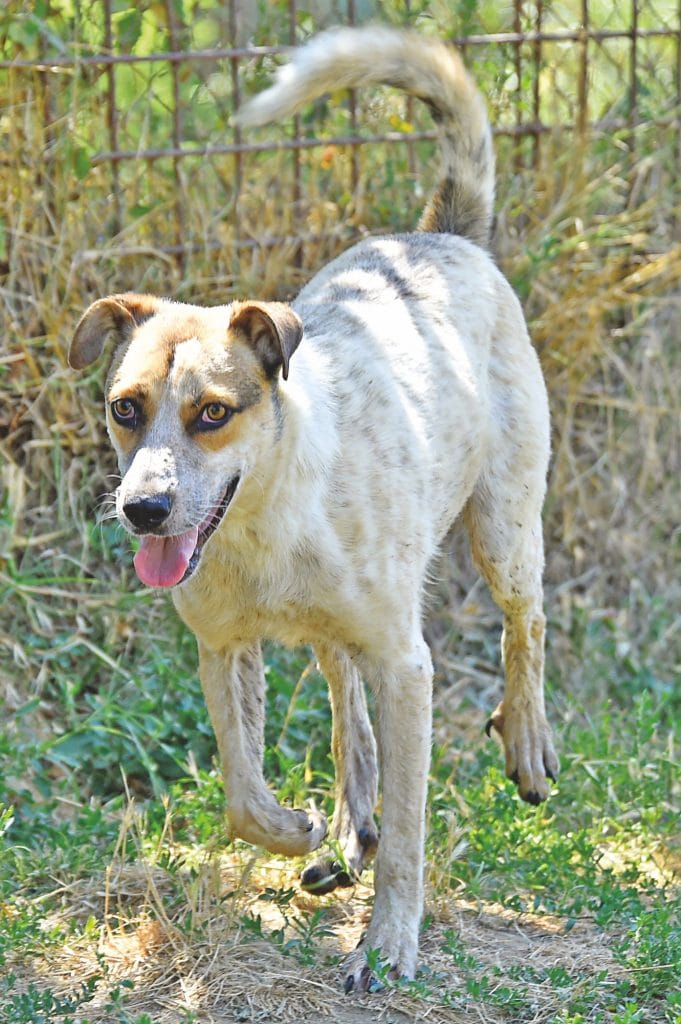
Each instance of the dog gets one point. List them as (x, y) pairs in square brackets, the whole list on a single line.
[(291, 470)]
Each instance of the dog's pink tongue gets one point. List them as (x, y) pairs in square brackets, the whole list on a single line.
[(163, 561)]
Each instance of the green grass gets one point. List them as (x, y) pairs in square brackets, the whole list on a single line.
[(106, 726), (603, 851)]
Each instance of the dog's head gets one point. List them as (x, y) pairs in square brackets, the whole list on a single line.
[(191, 405)]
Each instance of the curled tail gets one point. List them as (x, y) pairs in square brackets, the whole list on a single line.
[(462, 203)]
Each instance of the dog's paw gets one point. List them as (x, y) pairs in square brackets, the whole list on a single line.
[(380, 960), (528, 745), (325, 875), (292, 833), (353, 852)]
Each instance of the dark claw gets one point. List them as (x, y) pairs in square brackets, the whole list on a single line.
[(515, 777), (311, 876), (488, 727), (533, 798), (374, 985), (349, 983), (365, 979), (550, 775)]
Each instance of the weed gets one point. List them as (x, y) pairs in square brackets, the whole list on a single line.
[(301, 932), (41, 1006), (651, 951)]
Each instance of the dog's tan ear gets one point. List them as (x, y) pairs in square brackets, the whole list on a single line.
[(120, 313), (272, 329)]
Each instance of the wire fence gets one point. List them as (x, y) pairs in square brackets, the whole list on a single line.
[(120, 169), (122, 96)]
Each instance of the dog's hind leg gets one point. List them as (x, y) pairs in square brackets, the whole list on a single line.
[(354, 754), (234, 687), (504, 522)]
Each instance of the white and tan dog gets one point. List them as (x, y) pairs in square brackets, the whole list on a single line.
[(291, 470)]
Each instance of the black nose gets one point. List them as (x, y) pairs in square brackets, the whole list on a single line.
[(148, 513)]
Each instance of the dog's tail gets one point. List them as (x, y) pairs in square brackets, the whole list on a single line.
[(425, 67)]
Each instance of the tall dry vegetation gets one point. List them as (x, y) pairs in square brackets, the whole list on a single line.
[(588, 237)]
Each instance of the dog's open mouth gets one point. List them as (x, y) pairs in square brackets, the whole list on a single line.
[(167, 561)]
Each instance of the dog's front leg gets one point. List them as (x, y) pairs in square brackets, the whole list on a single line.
[(354, 756), (403, 689), (234, 687)]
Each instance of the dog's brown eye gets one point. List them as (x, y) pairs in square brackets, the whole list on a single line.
[(214, 414), (124, 411)]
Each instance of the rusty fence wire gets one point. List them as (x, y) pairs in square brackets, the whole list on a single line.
[(135, 104)]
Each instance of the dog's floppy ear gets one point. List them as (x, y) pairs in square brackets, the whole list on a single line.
[(120, 313), (272, 330)]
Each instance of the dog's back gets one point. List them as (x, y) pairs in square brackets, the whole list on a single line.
[(405, 326)]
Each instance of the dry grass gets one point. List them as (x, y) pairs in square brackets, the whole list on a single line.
[(601, 292), (185, 942)]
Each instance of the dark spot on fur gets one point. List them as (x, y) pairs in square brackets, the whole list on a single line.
[(277, 410), (249, 394), (402, 286), (368, 839), (435, 112), (456, 210), (349, 293)]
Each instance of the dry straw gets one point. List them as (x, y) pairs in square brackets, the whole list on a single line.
[(183, 939)]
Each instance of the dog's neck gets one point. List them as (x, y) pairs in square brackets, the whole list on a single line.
[(295, 481)]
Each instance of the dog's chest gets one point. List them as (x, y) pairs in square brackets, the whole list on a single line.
[(228, 606)]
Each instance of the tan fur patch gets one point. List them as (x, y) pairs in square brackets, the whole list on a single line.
[(185, 363), (233, 430)]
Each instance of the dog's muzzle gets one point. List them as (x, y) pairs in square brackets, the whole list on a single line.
[(165, 561)]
